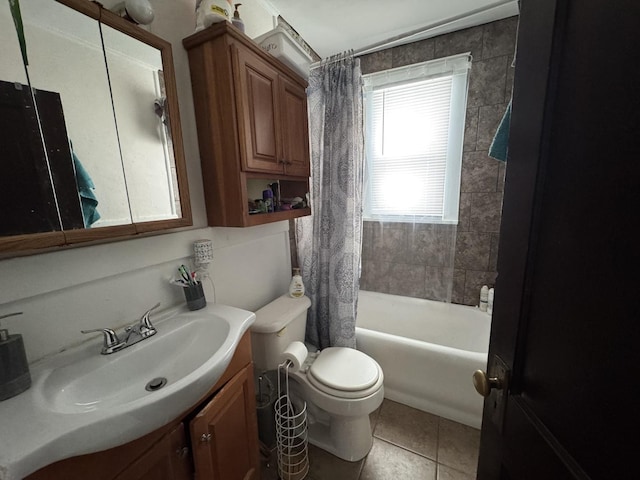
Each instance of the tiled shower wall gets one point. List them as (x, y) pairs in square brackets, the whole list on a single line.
[(444, 262)]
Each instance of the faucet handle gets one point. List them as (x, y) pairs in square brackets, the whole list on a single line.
[(111, 342), (145, 324)]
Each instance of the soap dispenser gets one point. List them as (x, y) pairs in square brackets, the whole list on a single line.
[(14, 369), (236, 20), (296, 287)]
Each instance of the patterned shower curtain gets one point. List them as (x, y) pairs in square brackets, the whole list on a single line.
[(329, 242)]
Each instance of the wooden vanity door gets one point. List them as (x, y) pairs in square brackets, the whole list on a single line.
[(169, 459), (224, 434)]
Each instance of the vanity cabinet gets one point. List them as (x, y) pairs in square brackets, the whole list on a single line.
[(227, 418), (251, 114)]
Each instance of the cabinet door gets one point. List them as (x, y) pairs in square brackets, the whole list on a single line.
[(295, 128), (258, 112), (169, 459), (224, 434)]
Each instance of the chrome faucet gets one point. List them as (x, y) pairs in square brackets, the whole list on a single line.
[(134, 334)]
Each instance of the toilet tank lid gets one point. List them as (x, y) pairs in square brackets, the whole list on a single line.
[(276, 315)]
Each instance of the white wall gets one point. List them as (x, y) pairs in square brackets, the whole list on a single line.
[(112, 284)]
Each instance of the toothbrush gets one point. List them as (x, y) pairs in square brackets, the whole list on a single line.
[(183, 271), (178, 282)]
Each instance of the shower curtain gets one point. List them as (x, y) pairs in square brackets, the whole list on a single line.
[(329, 241)]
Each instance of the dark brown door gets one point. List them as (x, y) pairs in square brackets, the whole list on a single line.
[(566, 319), (27, 197)]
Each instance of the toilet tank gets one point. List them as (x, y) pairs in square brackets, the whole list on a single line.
[(277, 325)]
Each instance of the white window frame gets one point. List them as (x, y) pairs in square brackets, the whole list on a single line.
[(457, 68)]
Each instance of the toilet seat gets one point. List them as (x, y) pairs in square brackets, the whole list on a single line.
[(345, 373)]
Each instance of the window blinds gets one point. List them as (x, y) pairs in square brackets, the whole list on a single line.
[(415, 123)]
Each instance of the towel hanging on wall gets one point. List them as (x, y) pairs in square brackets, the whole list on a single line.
[(500, 144), (88, 199)]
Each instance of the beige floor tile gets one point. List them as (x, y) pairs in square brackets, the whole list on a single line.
[(389, 462), (458, 446), (324, 466), (408, 428), (448, 473)]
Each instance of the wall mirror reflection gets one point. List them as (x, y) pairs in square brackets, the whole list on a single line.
[(90, 137)]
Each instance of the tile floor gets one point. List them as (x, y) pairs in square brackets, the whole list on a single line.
[(408, 444)]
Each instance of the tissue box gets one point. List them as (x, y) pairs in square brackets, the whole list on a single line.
[(279, 43)]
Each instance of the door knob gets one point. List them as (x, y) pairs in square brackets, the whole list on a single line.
[(483, 383)]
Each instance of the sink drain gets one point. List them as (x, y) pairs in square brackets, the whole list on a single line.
[(156, 384)]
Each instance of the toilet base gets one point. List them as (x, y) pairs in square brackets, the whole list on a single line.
[(348, 438)]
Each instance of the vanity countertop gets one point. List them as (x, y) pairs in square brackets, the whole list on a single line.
[(37, 428)]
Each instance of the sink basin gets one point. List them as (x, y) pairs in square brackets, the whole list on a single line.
[(82, 402), (92, 381)]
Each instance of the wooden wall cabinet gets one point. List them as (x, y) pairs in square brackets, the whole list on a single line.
[(251, 114), (178, 451)]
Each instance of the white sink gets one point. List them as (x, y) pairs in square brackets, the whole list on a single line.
[(89, 381), (81, 401)]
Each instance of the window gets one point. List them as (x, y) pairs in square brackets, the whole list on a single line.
[(414, 135)]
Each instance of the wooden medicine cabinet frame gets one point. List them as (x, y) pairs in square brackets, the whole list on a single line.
[(34, 243)]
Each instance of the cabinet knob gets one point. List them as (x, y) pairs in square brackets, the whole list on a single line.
[(182, 452), (206, 437)]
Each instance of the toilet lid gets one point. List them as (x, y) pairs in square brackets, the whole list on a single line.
[(345, 369)]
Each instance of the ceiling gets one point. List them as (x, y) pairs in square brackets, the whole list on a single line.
[(334, 26)]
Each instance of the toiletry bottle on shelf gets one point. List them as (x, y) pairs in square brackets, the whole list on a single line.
[(490, 296), (213, 11), (236, 20), (484, 298), (296, 287), (267, 197)]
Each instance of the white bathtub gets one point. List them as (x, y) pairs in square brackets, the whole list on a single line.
[(428, 351)]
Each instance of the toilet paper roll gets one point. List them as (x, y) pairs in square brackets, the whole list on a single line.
[(297, 353)]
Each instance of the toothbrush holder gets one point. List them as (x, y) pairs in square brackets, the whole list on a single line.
[(194, 295)]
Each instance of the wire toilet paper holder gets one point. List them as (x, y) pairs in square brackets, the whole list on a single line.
[(291, 431)]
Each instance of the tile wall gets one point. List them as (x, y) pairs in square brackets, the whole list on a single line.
[(444, 262)]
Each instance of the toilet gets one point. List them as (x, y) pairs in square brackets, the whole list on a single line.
[(340, 385)]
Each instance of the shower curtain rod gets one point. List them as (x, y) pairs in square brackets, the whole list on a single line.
[(406, 36)]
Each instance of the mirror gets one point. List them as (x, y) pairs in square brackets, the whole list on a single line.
[(95, 137)]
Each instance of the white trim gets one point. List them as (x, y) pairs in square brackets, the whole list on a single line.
[(490, 13), (456, 68), (454, 64)]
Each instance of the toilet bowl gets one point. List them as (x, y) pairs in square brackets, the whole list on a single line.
[(340, 385)]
